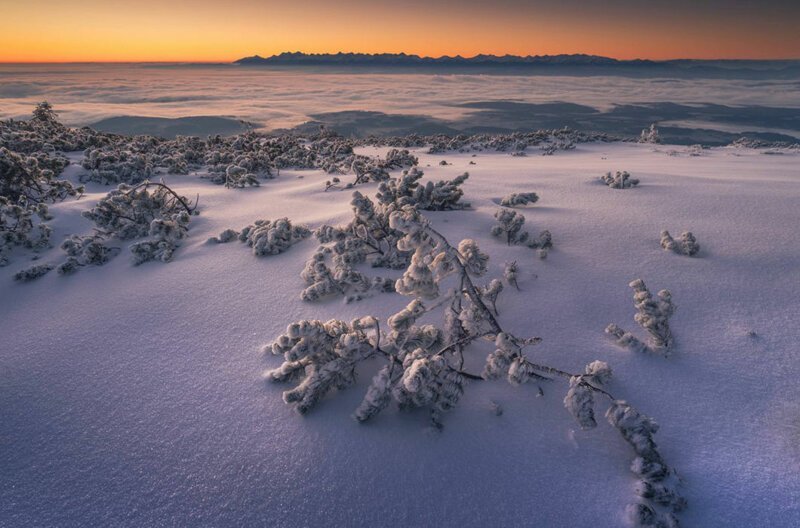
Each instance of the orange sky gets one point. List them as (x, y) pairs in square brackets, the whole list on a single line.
[(213, 30)]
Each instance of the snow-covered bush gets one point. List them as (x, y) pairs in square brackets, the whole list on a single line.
[(509, 227), (515, 143), (399, 159), (117, 163), (368, 238), (372, 169), (135, 212), (226, 236), (127, 212), (33, 177), (658, 502), (32, 273), (266, 237), (653, 315), (650, 135), (422, 364), (44, 135), (166, 235), (685, 245), (28, 180), (22, 225), (555, 143), (443, 195), (517, 199), (238, 177), (510, 274), (619, 180), (85, 251)]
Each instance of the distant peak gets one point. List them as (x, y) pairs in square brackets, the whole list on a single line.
[(403, 59)]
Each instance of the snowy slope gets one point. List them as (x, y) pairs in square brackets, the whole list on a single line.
[(132, 396)]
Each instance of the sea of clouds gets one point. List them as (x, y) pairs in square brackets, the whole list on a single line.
[(273, 98)]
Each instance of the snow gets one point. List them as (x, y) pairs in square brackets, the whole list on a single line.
[(132, 396)]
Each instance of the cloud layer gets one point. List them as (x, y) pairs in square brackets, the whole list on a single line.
[(275, 99)]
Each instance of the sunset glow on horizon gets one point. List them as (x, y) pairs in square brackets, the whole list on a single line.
[(213, 31)]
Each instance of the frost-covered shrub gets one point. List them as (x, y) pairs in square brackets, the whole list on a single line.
[(166, 235), (85, 251), (619, 180), (443, 195), (399, 159), (33, 177), (509, 227), (510, 274), (650, 135), (117, 163), (555, 143), (653, 315), (32, 273), (127, 212), (266, 237), (22, 225), (369, 169), (517, 199), (368, 238), (515, 143), (685, 245), (229, 235), (658, 500), (422, 364), (238, 177), (146, 210), (44, 135)]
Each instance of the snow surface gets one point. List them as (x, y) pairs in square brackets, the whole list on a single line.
[(132, 396)]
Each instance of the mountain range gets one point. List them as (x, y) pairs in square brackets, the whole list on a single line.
[(781, 68)]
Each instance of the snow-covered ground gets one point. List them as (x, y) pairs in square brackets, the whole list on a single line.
[(132, 396)]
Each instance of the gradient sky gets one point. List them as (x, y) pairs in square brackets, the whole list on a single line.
[(218, 30)]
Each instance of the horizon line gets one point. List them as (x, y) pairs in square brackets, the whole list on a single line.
[(232, 62)]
